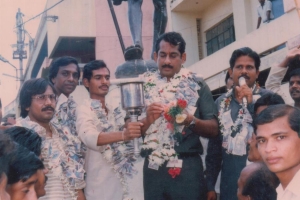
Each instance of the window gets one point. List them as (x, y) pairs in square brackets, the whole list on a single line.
[(220, 36)]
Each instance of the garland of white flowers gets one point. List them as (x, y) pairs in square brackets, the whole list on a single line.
[(59, 163), (159, 139), (242, 123), (224, 104), (120, 155)]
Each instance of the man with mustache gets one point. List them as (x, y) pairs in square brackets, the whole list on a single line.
[(109, 159), (228, 152), (173, 167), (290, 63), (66, 174)]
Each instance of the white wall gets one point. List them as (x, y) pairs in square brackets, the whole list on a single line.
[(75, 18)]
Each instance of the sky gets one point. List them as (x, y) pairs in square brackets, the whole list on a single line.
[(8, 9)]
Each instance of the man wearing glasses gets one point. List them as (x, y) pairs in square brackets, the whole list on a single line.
[(62, 158)]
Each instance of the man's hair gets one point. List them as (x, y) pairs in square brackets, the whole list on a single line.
[(227, 77), (91, 66), (295, 72), (274, 112), (30, 88), (61, 62), (22, 165), (261, 185), (174, 39), (268, 100), (26, 138), (245, 51), (6, 147)]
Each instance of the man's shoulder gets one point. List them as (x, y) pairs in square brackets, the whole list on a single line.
[(220, 98)]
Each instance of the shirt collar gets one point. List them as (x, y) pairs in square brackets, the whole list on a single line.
[(292, 187)]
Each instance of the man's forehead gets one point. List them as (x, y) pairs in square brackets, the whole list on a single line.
[(295, 78), (70, 68), (101, 72)]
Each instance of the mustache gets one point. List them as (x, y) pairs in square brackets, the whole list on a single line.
[(46, 179), (167, 66), (245, 76), (48, 108), (295, 90)]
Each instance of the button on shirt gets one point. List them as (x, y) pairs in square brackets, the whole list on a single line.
[(292, 191), (262, 11)]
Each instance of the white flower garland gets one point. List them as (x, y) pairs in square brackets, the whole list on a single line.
[(242, 125), (159, 139), (59, 163), (119, 155)]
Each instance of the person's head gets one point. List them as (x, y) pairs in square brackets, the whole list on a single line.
[(64, 74), (22, 174), (244, 62), (26, 138), (169, 54), (267, 100), (261, 1), (228, 81), (6, 147), (33, 142), (294, 84), (96, 78), (256, 182), (277, 135), (38, 100), (262, 103)]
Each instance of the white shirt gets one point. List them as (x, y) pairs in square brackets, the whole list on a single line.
[(101, 181), (262, 11), (292, 191), (273, 83)]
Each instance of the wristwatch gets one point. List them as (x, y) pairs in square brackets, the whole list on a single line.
[(193, 123)]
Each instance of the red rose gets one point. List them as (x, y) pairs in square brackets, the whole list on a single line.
[(168, 117), (174, 171), (181, 103)]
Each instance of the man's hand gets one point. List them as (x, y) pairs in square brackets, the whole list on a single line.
[(133, 130), (80, 195), (243, 91), (211, 195), (153, 112), (292, 54)]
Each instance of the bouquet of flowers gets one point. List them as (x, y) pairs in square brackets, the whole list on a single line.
[(175, 116)]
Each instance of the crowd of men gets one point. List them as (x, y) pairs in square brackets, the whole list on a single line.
[(61, 150)]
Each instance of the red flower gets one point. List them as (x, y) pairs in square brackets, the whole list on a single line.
[(168, 117), (174, 171), (181, 103)]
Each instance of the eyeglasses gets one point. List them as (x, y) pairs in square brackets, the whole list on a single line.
[(43, 97)]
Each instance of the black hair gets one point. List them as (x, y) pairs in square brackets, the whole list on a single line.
[(61, 62), (268, 100), (227, 77), (174, 39), (26, 137), (30, 88), (6, 147), (274, 112), (295, 72), (91, 66), (22, 165), (261, 185), (245, 51)]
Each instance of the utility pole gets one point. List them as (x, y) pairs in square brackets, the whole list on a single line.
[(20, 53)]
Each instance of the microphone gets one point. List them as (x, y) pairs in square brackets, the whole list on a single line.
[(242, 81)]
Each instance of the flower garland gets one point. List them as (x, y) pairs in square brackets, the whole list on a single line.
[(119, 154), (159, 139), (60, 162), (242, 125)]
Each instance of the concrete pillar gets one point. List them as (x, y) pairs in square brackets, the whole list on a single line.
[(242, 17)]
